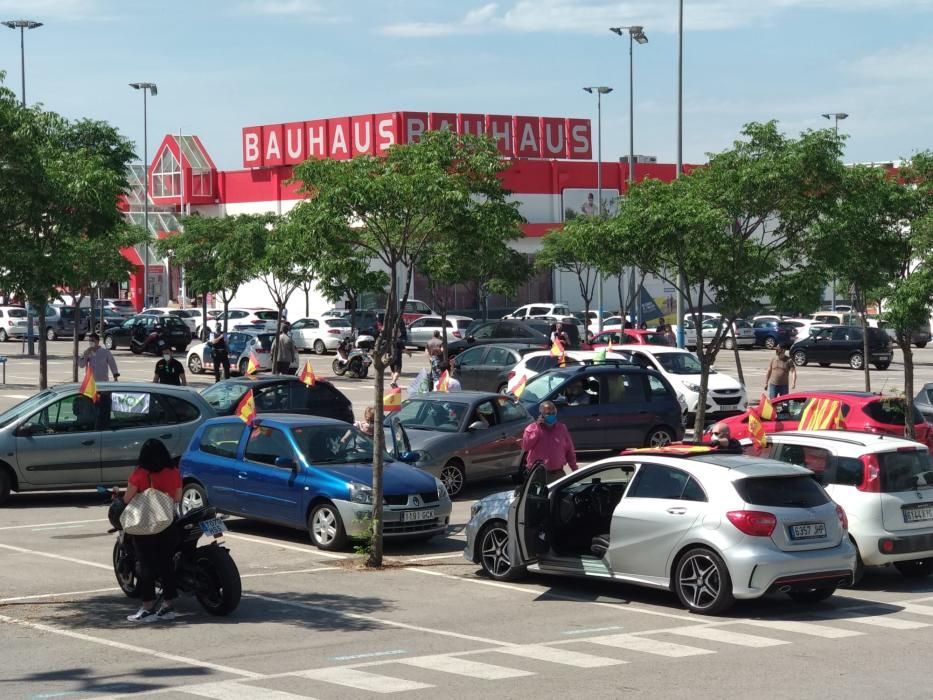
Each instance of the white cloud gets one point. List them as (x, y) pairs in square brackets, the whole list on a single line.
[(593, 16), (283, 8), (906, 63)]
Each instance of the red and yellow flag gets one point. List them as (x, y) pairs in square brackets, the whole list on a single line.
[(765, 408), (443, 383), (307, 374), (252, 365), (246, 409), (756, 430), (821, 414), (518, 386), (557, 350), (89, 386), (392, 401), (609, 345)]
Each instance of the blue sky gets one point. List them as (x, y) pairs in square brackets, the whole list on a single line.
[(224, 64)]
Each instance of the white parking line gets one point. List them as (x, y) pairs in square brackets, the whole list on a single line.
[(294, 571), (713, 634), (362, 680), (235, 690), (645, 645), (562, 656), (66, 522), (281, 545), (48, 555), (58, 595), (464, 667)]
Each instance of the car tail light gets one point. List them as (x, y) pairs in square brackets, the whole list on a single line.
[(511, 375), (457, 334), (843, 518), (756, 523), (871, 481), (333, 331)]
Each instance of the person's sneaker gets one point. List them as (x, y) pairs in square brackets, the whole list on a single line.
[(143, 615), (166, 613)]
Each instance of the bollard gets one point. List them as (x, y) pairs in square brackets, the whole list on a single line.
[(3, 363)]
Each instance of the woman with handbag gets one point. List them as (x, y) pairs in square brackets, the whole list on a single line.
[(153, 491)]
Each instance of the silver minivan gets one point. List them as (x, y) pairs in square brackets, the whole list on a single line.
[(60, 439)]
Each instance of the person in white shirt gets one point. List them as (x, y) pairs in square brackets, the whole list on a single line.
[(453, 384)]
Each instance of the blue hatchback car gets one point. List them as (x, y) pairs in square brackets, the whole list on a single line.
[(770, 333), (310, 473)]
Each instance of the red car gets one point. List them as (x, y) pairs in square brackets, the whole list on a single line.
[(862, 411), (627, 336)]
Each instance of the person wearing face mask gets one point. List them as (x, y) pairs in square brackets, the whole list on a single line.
[(168, 370), (722, 441), (549, 442), (99, 359)]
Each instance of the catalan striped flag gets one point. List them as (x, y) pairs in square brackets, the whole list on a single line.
[(766, 408), (821, 414), (89, 386), (246, 409), (392, 401)]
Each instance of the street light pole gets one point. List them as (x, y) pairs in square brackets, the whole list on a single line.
[(23, 25), (147, 88), (681, 340), (837, 117), (600, 91)]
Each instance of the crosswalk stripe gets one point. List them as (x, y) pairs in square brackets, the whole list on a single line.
[(354, 678), (807, 628), (887, 621), (559, 656), (232, 690), (464, 667), (916, 609), (714, 634), (648, 646)]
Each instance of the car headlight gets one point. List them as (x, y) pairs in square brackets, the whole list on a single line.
[(475, 508), (441, 490), (424, 457), (361, 493), (695, 388)]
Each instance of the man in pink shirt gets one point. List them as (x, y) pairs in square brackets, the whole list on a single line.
[(549, 441)]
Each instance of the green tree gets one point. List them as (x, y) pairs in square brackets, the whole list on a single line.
[(284, 265), (502, 273), (394, 206)]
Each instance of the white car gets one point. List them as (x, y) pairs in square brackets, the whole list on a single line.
[(557, 311), (13, 323), (319, 334), (884, 484), (240, 344), (250, 319), (805, 326), (184, 314), (421, 330), (742, 333), (724, 396)]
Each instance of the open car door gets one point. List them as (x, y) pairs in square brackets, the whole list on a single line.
[(401, 445), (528, 516)]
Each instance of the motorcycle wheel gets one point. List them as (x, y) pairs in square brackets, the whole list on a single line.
[(217, 580), (355, 367), (364, 372), (136, 348), (127, 577), (338, 367)]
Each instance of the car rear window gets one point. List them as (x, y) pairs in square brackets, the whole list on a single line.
[(463, 322), (337, 322), (16, 313), (542, 363), (890, 411), (267, 315), (781, 491), (903, 471)]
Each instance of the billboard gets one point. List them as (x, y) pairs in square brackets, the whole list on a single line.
[(583, 202)]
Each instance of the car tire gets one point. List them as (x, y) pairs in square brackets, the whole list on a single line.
[(6, 484), (856, 360), (859, 571), (702, 582), (3, 336), (181, 348), (921, 345), (659, 437), (728, 344), (319, 347), (915, 568), (326, 528), (244, 363), (109, 342), (493, 548), (453, 477), (502, 388), (50, 334), (800, 358), (770, 342), (812, 595), (195, 365), (882, 365), (193, 496)]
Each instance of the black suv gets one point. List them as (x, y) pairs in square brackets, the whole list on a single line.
[(843, 345), (509, 330), (609, 406), (280, 394), (174, 330)]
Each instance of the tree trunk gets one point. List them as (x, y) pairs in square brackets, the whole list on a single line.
[(908, 353), (444, 328), (699, 422), (307, 291), (204, 329), (43, 349), (738, 360), (275, 341), (351, 298), (74, 344)]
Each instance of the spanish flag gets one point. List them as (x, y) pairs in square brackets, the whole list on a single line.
[(517, 387), (307, 374), (756, 430), (392, 401), (821, 414), (246, 409), (609, 345), (89, 386), (557, 350), (765, 408), (252, 365), (443, 384)]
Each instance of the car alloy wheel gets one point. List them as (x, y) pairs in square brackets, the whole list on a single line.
[(494, 552), (770, 343), (728, 344), (319, 347), (192, 498), (800, 358), (108, 342), (50, 334), (882, 365), (856, 361), (3, 336), (659, 437), (702, 582), (326, 527), (452, 477), (195, 364)]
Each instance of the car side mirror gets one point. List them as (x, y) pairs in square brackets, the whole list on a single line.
[(478, 425), (286, 463), (25, 431), (470, 339), (409, 457)]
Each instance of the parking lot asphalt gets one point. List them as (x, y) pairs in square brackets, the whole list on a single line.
[(314, 624)]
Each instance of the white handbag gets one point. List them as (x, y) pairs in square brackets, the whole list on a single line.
[(149, 513)]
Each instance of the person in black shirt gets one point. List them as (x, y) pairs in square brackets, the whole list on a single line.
[(219, 352), (168, 370), (722, 440)]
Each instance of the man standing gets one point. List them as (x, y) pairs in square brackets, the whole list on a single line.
[(168, 370), (781, 369), (435, 351), (548, 441), (99, 359), (219, 352), (285, 352)]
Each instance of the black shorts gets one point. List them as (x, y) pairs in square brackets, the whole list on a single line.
[(395, 364)]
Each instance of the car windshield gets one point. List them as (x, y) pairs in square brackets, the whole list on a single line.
[(680, 363), (334, 444), (890, 411), (267, 315), (24, 407), (433, 414), (902, 471), (122, 303), (224, 396), (542, 386)]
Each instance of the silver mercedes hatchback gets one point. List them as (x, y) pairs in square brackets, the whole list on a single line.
[(709, 526)]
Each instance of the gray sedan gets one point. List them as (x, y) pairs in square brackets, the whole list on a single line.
[(60, 439), (710, 527), (465, 435), (422, 329)]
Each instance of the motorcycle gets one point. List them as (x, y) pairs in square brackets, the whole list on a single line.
[(153, 342), (350, 360), (208, 571)]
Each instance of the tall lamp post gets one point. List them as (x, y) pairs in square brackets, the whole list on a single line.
[(600, 90), (680, 156), (147, 88), (836, 117), (23, 25), (635, 33)]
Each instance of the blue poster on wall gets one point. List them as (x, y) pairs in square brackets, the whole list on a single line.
[(649, 310)]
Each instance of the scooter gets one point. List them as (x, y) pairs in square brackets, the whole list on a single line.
[(350, 360), (154, 342)]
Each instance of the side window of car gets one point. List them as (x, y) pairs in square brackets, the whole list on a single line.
[(72, 414), (510, 411), (790, 409), (417, 323), (485, 331), (135, 409), (222, 440), (473, 356), (848, 472), (853, 334), (611, 475), (499, 357), (273, 397), (485, 412), (693, 491), (623, 388), (266, 444), (657, 389), (656, 481), (816, 459), (182, 411)]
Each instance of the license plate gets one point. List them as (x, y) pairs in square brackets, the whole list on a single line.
[(916, 515), (884, 356), (411, 516), (807, 531), (213, 527)]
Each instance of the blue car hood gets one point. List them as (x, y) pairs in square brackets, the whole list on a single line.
[(397, 478)]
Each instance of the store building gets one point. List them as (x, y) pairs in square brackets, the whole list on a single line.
[(552, 176)]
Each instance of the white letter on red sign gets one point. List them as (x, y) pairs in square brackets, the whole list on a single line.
[(414, 128), (316, 147), (555, 147), (386, 135), (293, 141), (580, 135), (362, 146), (529, 139), (251, 149), (273, 151), (338, 141)]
